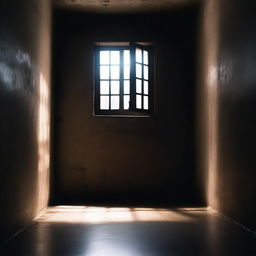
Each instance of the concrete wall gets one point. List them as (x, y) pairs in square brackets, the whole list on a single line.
[(104, 159), (206, 100), (25, 33), (229, 83)]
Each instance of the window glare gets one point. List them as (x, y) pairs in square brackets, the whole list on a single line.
[(115, 57), (123, 80), (127, 57), (145, 87), (145, 101), (138, 55), (115, 87), (104, 72), (145, 55), (104, 102), (138, 86), (104, 57), (115, 73), (126, 71), (115, 102), (104, 87), (145, 72), (127, 87), (139, 70), (138, 101), (126, 101)]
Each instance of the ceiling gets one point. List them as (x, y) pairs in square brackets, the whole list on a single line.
[(122, 6)]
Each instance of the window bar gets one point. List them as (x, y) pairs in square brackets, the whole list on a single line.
[(132, 105), (121, 84), (109, 79), (150, 78), (97, 89), (142, 80)]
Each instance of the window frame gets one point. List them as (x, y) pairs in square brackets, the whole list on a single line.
[(132, 111)]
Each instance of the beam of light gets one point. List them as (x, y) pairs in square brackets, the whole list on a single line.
[(98, 215), (43, 143), (211, 84), (212, 144)]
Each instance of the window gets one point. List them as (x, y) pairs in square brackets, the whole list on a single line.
[(123, 80)]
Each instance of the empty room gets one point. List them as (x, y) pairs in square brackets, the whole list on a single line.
[(128, 127)]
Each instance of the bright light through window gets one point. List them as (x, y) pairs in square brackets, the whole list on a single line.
[(123, 80)]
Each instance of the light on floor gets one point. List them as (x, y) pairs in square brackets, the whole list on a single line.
[(97, 215)]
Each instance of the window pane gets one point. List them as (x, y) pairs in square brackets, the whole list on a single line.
[(138, 70), (127, 57), (146, 72), (115, 87), (104, 87), (138, 55), (146, 102), (104, 72), (127, 72), (126, 101), (126, 86), (138, 86), (145, 87), (114, 102), (138, 101), (115, 72), (104, 57), (145, 53), (115, 57), (104, 102)]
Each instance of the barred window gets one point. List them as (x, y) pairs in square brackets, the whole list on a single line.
[(124, 80)]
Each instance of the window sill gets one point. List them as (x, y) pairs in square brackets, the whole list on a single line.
[(122, 116)]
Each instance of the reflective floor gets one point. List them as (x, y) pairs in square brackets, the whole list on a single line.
[(106, 231)]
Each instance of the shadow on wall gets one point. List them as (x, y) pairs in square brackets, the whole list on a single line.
[(24, 133), (228, 90), (135, 160)]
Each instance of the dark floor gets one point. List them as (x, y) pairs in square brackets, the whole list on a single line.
[(105, 231)]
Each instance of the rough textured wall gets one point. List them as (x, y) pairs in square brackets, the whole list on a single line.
[(125, 160), (24, 109), (232, 121)]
